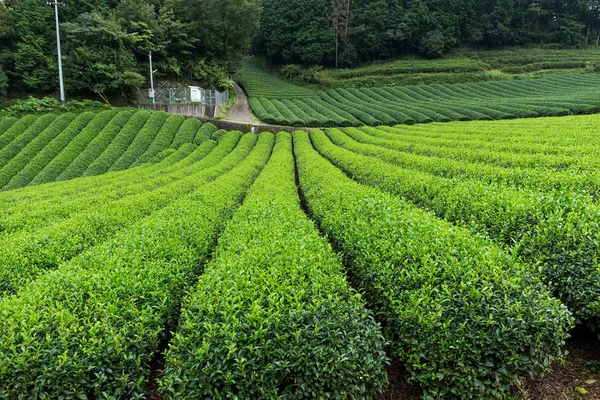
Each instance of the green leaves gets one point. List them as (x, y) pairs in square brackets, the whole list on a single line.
[(463, 316), (272, 316)]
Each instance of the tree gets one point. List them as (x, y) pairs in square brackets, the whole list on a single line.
[(3, 85), (98, 56), (340, 20)]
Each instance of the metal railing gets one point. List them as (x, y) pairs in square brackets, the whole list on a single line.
[(185, 95)]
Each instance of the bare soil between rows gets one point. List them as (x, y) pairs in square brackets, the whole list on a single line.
[(558, 384)]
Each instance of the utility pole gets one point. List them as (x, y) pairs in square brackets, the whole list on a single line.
[(60, 71), (152, 94)]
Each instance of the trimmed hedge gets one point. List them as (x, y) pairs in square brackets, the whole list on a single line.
[(6, 123), (204, 133), (141, 142), (16, 129), (395, 152), (91, 328), (45, 156), (275, 292), (57, 202), (75, 147), (26, 255), (163, 139), (118, 145), (559, 232), (21, 140), (27, 152), (464, 317), (187, 132), (96, 147)]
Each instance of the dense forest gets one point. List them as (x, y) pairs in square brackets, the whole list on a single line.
[(306, 31), (106, 42)]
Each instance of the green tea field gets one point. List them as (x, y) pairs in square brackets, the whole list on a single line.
[(278, 102), (148, 256)]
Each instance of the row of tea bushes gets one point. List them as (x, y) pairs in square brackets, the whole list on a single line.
[(463, 316), (272, 316), (91, 328), (27, 254), (559, 232)]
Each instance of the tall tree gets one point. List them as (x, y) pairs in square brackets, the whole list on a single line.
[(340, 20)]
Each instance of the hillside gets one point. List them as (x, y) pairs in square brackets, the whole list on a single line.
[(463, 251), (50, 148), (282, 103)]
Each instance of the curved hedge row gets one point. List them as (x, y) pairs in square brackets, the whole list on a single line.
[(57, 202), (62, 161), (187, 132), (525, 178), (507, 159), (560, 232), (96, 147), (6, 123), (275, 292), (16, 129), (26, 255), (204, 133), (27, 152), (162, 141), (463, 316), (493, 100), (109, 341), (118, 145), (40, 160), (141, 142), (22, 139)]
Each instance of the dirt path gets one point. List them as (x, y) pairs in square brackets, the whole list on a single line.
[(240, 112)]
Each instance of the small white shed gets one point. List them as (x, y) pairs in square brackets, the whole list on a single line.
[(195, 94)]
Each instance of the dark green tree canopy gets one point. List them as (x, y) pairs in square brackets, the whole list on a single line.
[(299, 31), (106, 42)]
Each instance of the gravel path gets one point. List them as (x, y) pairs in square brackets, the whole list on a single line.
[(240, 112)]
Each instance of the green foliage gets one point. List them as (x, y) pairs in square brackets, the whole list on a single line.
[(118, 145), (300, 74), (204, 133), (557, 231), (494, 100), (187, 132), (98, 55), (114, 209), (312, 41), (95, 147), (386, 29), (40, 160), (45, 105), (110, 342), (422, 275), (141, 142), (29, 146), (16, 139), (163, 139), (62, 161), (275, 292), (3, 85)]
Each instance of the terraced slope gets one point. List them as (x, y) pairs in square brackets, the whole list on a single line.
[(297, 266), (35, 150), (285, 104)]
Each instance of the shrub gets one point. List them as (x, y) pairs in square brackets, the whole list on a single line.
[(422, 275), (109, 343), (276, 292), (559, 232), (74, 148)]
